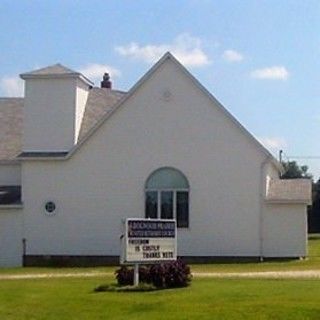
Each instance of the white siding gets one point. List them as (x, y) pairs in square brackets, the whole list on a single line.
[(49, 114), (10, 237), (104, 181), (10, 174), (285, 230), (81, 100), (271, 171)]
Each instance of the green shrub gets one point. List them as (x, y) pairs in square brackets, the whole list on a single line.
[(172, 274), (124, 276)]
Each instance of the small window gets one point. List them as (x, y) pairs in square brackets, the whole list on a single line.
[(182, 209), (151, 204), (50, 208), (167, 196), (166, 204)]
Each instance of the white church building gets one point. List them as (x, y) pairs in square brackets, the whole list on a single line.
[(75, 160)]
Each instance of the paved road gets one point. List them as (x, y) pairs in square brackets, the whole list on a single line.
[(304, 274)]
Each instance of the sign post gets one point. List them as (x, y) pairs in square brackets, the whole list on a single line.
[(136, 274), (148, 241)]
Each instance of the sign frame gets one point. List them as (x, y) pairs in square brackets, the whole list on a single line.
[(152, 241)]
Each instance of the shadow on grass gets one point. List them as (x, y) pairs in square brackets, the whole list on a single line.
[(142, 287)]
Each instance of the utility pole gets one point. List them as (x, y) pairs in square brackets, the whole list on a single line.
[(280, 160), (280, 155)]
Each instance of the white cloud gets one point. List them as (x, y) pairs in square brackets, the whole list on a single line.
[(273, 143), (95, 71), (232, 56), (273, 73), (11, 86), (185, 48)]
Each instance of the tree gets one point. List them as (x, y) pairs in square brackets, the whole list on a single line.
[(314, 210), (294, 171)]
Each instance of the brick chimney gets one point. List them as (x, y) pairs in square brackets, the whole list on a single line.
[(106, 83)]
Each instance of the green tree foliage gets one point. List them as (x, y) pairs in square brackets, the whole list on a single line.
[(314, 210), (295, 171)]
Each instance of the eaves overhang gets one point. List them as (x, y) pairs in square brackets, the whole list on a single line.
[(43, 155)]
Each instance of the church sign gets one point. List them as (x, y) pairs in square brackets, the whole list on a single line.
[(149, 241)]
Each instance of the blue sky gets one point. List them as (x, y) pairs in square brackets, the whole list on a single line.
[(260, 59)]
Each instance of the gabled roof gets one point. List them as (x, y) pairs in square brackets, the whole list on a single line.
[(54, 71), (100, 101), (291, 190), (169, 56), (96, 114)]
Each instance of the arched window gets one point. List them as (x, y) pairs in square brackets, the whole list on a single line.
[(167, 196)]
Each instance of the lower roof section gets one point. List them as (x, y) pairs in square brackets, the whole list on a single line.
[(10, 195), (41, 154), (289, 190)]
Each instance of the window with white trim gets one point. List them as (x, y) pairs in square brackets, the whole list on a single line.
[(167, 196)]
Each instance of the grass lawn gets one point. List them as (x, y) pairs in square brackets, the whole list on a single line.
[(204, 299)]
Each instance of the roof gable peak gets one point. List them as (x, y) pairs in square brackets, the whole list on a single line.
[(54, 71), (57, 69), (169, 56)]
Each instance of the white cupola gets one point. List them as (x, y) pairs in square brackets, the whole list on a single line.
[(55, 99)]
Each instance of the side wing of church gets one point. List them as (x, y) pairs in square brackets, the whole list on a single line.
[(76, 160)]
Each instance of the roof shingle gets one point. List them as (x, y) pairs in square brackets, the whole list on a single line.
[(11, 114), (57, 69), (291, 190), (100, 101)]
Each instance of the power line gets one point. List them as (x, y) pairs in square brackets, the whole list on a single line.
[(303, 157), (282, 155)]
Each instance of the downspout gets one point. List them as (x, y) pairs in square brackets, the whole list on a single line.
[(24, 239), (262, 199)]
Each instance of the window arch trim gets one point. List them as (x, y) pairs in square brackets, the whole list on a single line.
[(155, 174), (167, 201)]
